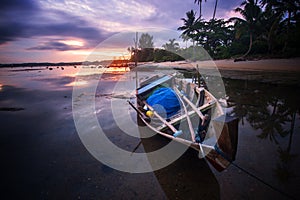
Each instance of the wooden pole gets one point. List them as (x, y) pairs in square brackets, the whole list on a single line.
[(187, 117), (173, 129), (191, 104), (190, 124), (135, 58)]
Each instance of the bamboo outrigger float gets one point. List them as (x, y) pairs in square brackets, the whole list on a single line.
[(210, 131)]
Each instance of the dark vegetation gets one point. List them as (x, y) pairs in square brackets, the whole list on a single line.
[(266, 29)]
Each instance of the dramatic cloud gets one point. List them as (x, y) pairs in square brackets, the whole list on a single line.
[(56, 45), (11, 25), (27, 19), (40, 27)]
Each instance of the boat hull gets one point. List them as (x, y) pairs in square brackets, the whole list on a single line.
[(219, 145)]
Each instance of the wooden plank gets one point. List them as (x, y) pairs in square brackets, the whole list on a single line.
[(153, 84), (190, 113), (212, 156), (191, 104), (192, 132), (178, 139)]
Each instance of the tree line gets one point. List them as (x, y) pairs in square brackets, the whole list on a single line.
[(146, 51), (266, 28)]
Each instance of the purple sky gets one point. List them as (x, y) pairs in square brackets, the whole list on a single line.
[(67, 30)]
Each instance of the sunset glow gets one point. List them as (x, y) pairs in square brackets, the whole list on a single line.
[(68, 31), (77, 83), (73, 42)]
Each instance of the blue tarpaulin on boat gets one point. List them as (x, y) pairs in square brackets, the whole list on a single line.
[(164, 101)]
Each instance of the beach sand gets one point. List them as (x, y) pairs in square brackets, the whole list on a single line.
[(274, 71), (44, 157), (274, 65)]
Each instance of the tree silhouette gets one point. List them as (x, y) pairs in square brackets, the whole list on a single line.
[(269, 121), (199, 2), (189, 25), (282, 169), (287, 11), (146, 41), (251, 13), (171, 46), (215, 9), (273, 112)]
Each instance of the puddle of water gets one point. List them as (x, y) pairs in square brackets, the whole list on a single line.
[(268, 134), (268, 140)]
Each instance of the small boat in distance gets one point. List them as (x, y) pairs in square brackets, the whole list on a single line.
[(189, 114)]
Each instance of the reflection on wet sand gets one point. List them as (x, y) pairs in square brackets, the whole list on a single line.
[(187, 178), (273, 112), (44, 158)]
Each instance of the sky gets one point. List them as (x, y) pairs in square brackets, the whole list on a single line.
[(73, 30)]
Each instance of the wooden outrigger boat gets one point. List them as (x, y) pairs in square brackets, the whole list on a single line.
[(209, 130)]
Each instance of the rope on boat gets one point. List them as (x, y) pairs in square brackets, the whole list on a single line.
[(234, 164), (253, 175), (262, 181)]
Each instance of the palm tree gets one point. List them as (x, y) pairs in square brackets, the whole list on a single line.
[(199, 2), (185, 39), (171, 46), (271, 29), (218, 35), (271, 123), (215, 9), (288, 8), (251, 13), (188, 28), (288, 109)]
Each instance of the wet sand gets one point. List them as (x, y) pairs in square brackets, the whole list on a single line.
[(44, 157)]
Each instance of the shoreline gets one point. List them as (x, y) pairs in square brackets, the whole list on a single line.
[(279, 65), (273, 71), (274, 65)]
